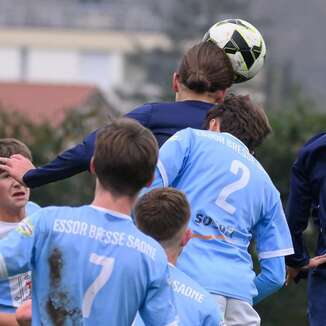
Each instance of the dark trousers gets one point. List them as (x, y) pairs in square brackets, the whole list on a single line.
[(317, 297)]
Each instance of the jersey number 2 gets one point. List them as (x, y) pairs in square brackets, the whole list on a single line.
[(100, 281), (221, 200)]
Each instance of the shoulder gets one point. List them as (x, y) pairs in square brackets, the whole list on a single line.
[(199, 294), (152, 108), (158, 106), (45, 216), (314, 146), (141, 108), (91, 136), (32, 207)]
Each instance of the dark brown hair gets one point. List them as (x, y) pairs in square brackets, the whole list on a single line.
[(241, 118), (11, 146), (125, 156), (161, 213), (206, 68)]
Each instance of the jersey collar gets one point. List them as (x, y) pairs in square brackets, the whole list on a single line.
[(237, 139), (114, 213)]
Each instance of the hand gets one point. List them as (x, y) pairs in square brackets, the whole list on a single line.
[(292, 272), (16, 166), (316, 261), (24, 314)]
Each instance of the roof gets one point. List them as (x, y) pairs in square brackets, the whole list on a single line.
[(44, 102), (108, 41)]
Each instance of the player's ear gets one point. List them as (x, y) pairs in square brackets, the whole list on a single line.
[(186, 237), (175, 82), (92, 166), (214, 125), (219, 96)]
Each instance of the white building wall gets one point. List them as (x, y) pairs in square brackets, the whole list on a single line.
[(74, 56), (101, 68), (52, 65), (10, 63)]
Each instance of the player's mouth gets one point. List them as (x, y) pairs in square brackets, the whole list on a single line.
[(19, 195)]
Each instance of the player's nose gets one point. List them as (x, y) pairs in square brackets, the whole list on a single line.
[(16, 184)]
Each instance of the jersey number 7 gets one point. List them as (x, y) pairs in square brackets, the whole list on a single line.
[(106, 271)]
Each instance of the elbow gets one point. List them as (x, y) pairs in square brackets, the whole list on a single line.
[(277, 280)]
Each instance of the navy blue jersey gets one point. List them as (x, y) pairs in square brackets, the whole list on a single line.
[(308, 191), (163, 119)]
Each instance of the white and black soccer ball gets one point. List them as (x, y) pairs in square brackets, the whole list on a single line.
[(244, 45)]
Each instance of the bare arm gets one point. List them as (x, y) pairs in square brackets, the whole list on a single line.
[(8, 320)]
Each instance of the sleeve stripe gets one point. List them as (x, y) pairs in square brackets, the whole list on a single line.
[(164, 176), (276, 253), (3, 268)]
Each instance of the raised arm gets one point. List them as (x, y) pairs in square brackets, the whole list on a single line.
[(65, 165), (70, 162)]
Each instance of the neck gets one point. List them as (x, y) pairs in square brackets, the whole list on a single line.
[(187, 96), (104, 199), (12, 215), (172, 254)]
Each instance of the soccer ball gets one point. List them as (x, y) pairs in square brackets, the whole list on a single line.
[(244, 45)]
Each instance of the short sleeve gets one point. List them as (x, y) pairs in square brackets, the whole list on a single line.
[(159, 306), (272, 235)]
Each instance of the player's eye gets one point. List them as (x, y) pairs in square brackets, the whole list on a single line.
[(4, 175)]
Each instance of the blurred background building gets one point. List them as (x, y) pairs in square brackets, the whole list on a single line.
[(117, 45)]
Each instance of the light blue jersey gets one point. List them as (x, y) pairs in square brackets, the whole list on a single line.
[(232, 201), (195, 305), (16, 289), (90, 266), (31, 208)]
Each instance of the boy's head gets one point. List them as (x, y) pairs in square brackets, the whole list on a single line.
[(125, 157), (241, 118), (13, 195), (11, 146), (163, 214), (204, 69)]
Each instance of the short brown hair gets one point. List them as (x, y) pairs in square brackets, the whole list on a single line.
[(206, 68), (125, 156), (161, 213), (11, 146), (241, 118)]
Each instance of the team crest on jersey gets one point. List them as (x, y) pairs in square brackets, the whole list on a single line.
[(25, 227)]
